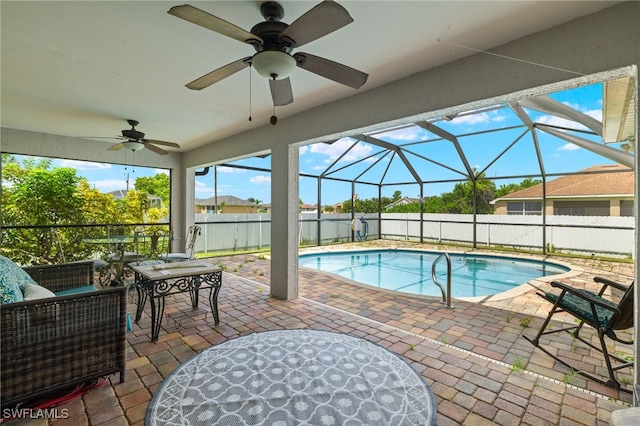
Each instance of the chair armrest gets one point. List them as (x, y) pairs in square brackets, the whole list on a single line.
[(56, 343), (607, 282), (583, 294), (64, 276)]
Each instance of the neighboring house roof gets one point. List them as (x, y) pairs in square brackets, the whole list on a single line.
[(119, 194), (402, 201), (228, 200), (599, 182), (308, 207)]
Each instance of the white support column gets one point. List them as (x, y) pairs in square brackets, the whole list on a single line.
[(182, 205), (284, 221), (636, 273)]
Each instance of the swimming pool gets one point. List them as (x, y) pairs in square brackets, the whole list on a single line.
[(409, 271)]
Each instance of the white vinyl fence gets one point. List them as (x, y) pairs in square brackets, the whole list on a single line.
[(591, 234), (596, 234)]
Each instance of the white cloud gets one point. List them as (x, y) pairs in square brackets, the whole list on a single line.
[(108, 185), (569, 147), (303, 149), (226, 169), (336, 149), (481, 118), (161, 171), (553, 120), (411, 134), (83, 165), (595, 113), (261, 180)]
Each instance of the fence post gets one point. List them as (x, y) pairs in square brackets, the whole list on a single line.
[(260, 232), (406, 229), (235, 234), (488, 234), (206, 229)]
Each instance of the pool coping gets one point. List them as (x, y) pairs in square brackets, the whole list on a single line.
[(535, 284)]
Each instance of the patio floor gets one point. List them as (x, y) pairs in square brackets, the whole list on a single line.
[(470, 355)]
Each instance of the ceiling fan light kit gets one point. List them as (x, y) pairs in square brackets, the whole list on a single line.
[(135, 141), (133, 145), (273, 64)]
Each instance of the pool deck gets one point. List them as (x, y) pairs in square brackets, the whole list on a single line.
[(479, 367)]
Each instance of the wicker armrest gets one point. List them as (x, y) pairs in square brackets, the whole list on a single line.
[(56, 343), (62, 277)]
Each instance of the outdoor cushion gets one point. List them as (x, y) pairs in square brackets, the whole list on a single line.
[(34, 291), (77, 290), (12, 281), (582, 308)]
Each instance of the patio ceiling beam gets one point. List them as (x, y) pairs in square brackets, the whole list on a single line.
[(613, 154), (394, 148), (550, 106), (373, 164), (438, 131), (346, 151), (463, 135), (325, 175), (524, 117), (444, 166), (386, 170), (503, 152)]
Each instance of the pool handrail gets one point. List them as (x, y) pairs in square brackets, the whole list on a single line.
[(446, 295)]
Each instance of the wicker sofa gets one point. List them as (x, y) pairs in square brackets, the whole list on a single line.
[(55, 343)]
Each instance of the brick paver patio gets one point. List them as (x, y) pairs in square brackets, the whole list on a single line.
[(480, 369)]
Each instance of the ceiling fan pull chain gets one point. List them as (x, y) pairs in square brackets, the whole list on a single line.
[(274, 120), (249, 91)]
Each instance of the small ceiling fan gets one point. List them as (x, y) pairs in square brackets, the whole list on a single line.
[(134, 140), (274, 41)]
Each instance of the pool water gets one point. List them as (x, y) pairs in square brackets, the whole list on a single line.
[(410, 271)]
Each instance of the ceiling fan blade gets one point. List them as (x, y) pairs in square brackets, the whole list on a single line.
[(281, 92), (319, 21), (213, 23), (120, 138), (219, 74), (332, 70), (115, 147), (163, 143), (155, 149)]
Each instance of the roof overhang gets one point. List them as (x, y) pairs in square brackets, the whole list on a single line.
[(618, 110)]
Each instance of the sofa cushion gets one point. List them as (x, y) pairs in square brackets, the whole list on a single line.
[(12, 280), (76, 290), (34, 291)]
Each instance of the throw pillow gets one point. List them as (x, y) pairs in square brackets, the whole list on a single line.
[(34, 291), (12, 280)]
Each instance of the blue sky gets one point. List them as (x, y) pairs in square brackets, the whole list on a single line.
[(559, 156)]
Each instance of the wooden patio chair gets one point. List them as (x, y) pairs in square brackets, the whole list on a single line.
[(593, 309)]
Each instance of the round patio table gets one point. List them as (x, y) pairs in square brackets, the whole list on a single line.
[(294, 377)]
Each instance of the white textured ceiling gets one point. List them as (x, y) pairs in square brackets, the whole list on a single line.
[(80, 68)]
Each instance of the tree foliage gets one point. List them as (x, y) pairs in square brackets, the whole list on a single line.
[(158, 185), (44, 206), (459, 200), (513, 187)]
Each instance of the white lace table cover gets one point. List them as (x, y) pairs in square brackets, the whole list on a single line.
[(294, 377)]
